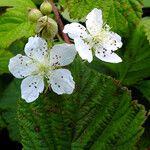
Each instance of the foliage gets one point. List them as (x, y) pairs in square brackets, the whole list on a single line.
[(99, 115), (37, 2), (4, 59), (136, 59), (122, 16), (8, 109), (146, 25), (14, 23), (136, 64), (144, 87), (146, 3)]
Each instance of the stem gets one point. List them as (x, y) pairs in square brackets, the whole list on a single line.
[(59, 22)]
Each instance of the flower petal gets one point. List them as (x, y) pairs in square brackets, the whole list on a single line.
[(75, 30), (94, 21), (31, 87), (21, 66), (107, 56), (61, 81), (113, 42), (62, 54), (36, 48), (83, 49)]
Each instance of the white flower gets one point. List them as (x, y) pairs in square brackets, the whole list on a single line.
[(96, 38), (42, 63)]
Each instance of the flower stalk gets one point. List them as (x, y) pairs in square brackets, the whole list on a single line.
[(59, 22)]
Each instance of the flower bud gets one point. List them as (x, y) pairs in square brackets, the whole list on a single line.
[(46, 8), (34, 14), (47, 27)]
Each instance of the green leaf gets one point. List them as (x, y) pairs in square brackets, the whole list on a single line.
[(122, 16), (146, 3), (14, 23), (146, 24), (99, 115), (136, 64), (37, 2), (4, 60), (8, 108), (3, 9), (144, 143), (17, 47), (144, 88), (2, 123)]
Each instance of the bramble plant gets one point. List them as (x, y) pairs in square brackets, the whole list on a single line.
[(85, 69)]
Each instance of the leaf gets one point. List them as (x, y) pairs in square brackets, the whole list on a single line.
[(146, 25), (4, 60), (14, 23), (17, 47), (37, 2), (144, 88), (8, 108), (3, 9), (2, 123), (144, 143), (122, 16), (136, 64), (99, 115), (146, 3)]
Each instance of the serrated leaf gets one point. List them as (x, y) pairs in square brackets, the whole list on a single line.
[(99, 115), (14, 23), (135, 65), (122, 16), (4, 60)]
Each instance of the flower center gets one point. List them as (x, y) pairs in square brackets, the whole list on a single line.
[(43, 69), (102, 35)]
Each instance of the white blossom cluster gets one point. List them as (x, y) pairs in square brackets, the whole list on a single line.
[(43, 66)]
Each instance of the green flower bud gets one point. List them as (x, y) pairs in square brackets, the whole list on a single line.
[(47, 28), (34, 14), (46, 8)]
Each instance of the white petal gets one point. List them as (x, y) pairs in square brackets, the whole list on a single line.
[(62, 54), (83, 49), (36, 48), (61, 81), (94, 21), (107, 56), (31, 87), (113, 42), (75, 30), (21, 66)]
